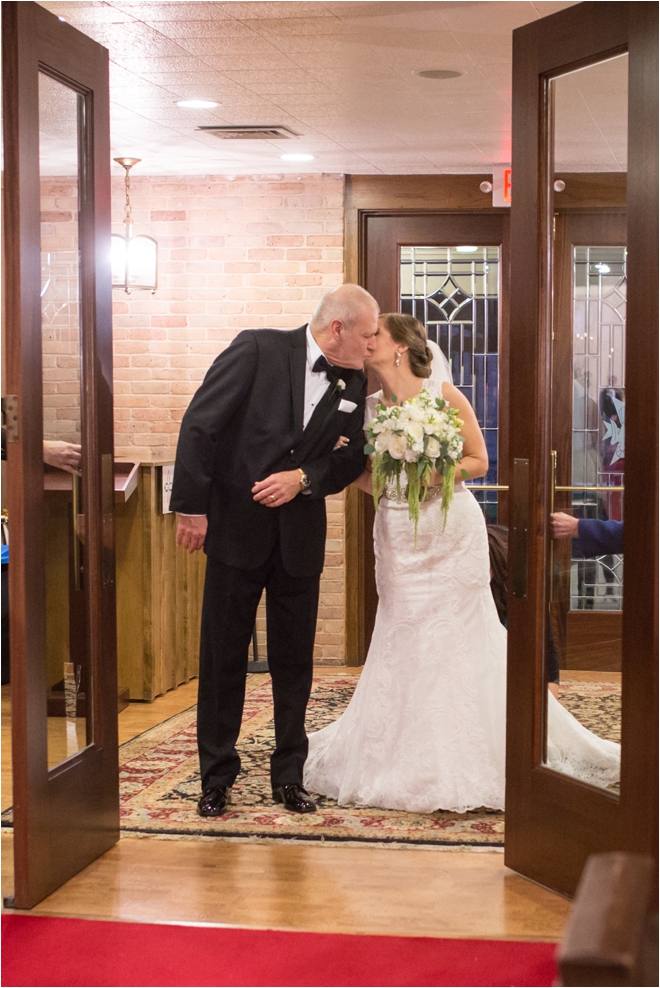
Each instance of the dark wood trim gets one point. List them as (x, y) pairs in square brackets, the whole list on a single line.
[(408, 201), (639, 771), (66, 817), (553, 822)]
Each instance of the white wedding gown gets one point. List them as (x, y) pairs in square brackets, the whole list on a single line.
[(425, 728)]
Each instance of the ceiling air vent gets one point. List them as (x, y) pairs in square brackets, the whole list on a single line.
[(250, 133)]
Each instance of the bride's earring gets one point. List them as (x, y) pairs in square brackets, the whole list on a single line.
[(397, 359)]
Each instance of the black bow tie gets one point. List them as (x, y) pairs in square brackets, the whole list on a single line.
[(332, 372)]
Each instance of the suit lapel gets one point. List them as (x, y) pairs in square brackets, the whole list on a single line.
[(298, 359), (328, 405)]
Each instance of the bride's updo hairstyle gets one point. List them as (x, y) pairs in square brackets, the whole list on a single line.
[(409, 332)]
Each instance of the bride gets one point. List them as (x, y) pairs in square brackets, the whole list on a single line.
[(425, 728)]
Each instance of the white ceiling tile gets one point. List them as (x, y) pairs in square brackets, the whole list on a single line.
[(342, 74)]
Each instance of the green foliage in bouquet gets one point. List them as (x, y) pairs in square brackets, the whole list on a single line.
[(413, 438)]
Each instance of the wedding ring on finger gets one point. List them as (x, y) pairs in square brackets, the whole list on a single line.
[(272, 497)]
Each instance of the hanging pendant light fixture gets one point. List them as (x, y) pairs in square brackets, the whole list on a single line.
[(134, 256)]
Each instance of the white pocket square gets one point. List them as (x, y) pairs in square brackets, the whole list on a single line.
[(346, 406)]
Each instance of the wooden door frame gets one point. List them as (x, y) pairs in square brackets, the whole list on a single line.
[(553, 822), (393, 195), (63, 818)]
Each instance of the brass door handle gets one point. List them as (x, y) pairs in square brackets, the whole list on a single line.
[(487, 487), (597, 489)]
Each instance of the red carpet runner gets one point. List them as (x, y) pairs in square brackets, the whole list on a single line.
[(41, 951)]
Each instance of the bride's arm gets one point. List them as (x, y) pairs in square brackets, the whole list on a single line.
[(475, 455)]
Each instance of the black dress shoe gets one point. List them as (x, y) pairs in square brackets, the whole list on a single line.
[(214, 801), (295, 798)]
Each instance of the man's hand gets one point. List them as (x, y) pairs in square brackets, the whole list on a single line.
[(191, 531), (64, 456), (277, 489), (563, 526)]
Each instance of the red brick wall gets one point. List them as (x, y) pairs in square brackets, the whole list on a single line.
[(233, 254), (238, 253)]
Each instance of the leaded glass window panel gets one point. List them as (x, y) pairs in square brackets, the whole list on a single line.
[(598, 456), (454, 292)]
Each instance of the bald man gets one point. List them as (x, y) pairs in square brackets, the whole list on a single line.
[(258, 452)]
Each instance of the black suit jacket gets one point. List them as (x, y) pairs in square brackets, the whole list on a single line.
[(246, 422)]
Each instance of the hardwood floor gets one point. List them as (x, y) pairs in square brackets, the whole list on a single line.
[(408, 891), (404, 891)]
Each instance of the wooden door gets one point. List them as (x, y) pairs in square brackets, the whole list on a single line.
[(555, 822), (58, 344), (389, 242)]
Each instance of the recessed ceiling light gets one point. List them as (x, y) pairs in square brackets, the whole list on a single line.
[(196, 104), (602, 268), (439, 74), (297, 157), (466, 250)]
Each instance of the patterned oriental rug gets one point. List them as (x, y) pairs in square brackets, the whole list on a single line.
[(160, 785), (160, 780)]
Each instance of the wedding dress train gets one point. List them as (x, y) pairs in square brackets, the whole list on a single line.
[(425, 728)]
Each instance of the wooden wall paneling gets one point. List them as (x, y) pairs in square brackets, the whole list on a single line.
[(159, 595), (131, 629), (148, 670), (170, 598), (180, 602), (593, 640), (196, 575)]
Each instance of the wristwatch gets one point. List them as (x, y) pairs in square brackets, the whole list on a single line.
[(305, 482)]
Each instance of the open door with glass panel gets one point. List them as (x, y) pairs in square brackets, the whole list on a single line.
[(582, 429), (58, 351)]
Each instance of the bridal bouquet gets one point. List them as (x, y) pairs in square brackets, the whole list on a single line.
[(414, 437)]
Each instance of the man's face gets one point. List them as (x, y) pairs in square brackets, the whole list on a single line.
[(354, 345)]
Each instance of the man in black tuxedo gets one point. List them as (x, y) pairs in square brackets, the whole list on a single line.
[(258, 452)]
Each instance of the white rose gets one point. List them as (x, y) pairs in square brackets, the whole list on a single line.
[(410, 455), (377, 427), (416, 414), (396, 446), (415, 430), (381, 442), (433, 448)]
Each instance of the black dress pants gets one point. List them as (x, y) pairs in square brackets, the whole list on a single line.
[(231, 597)]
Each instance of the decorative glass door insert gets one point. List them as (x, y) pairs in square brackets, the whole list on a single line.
[(454, 292), (598, 447)]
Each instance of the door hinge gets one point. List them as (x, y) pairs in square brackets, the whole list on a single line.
[(10, 408)]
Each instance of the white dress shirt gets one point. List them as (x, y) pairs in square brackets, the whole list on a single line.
[(316, 383)]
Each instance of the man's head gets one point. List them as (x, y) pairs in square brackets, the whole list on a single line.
[(344, 325)]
